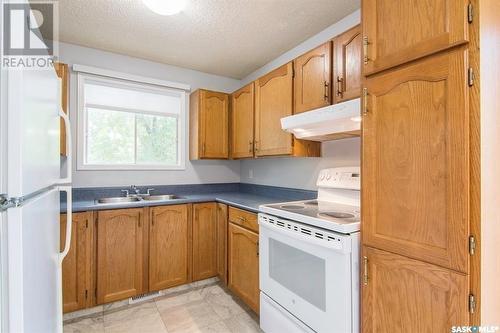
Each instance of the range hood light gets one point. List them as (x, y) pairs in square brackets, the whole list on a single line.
[(165, 7)]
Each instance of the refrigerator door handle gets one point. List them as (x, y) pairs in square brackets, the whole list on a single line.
[(69, 221), (69, 153)]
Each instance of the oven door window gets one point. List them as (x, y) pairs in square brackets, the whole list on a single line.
[(300, 272)]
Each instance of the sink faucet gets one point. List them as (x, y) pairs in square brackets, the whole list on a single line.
[(134, 190)]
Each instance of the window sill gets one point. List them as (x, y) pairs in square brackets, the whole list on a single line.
[(131, 167)]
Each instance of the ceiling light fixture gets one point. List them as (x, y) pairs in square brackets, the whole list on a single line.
[(165, 7)]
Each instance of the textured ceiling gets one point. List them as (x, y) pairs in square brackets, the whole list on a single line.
[(225, 37)]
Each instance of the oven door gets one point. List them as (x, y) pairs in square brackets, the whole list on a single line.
[(310, 277)]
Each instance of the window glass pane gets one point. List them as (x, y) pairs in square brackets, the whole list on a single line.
[(110, 137), (131, 98), (156, 140)]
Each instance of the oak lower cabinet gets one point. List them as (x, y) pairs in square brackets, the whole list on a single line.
[(396, 32), (312, 81), (221, 229), (77, 281), (415, 161), (405, 295), (208, 125), (204, 240), (242, 120), (169, 246), (347, 65), (243, 264), (121, 254)]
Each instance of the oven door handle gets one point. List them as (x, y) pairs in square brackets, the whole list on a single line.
[(344, 245)]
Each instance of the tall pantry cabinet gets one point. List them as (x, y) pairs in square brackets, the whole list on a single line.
[(418, 150)]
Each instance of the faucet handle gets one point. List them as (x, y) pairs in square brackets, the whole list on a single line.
[(126, 192), (149, 190)]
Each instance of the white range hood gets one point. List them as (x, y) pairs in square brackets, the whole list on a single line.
[(331, 122)]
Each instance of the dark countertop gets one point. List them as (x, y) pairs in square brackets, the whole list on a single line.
[(247, 197)]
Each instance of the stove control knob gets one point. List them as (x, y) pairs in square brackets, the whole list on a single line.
[(328, 176), (322, 176)]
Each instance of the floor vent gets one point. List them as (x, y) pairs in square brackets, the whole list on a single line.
[(144, 297)]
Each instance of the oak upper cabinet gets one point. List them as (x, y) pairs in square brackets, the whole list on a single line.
[(209, 125), (168, 246), (204, 240), (273, 101), (242, 115), (406, 295), (222, 242), (243, 265), (121, 254), (416, 161), (312, 79), (395, 32), (62, 72), (77, 282), (347, 65)]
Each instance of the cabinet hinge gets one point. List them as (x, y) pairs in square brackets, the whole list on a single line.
[(86, 294), (472, 245), (470, 13), (87, 224), (472, 303), (470, 78)]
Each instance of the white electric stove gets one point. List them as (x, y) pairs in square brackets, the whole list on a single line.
[(309, 258)]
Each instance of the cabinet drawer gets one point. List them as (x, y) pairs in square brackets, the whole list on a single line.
[(243, 218)]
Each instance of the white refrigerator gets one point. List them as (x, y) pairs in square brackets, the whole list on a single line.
[(30, 186)]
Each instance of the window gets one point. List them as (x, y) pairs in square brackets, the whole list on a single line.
[(128, 125)]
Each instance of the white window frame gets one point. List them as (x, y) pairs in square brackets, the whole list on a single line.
[(119, 81)]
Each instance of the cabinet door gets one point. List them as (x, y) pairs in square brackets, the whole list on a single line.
[(222, 242), (242, 106), (214, 116), (204, 241), (168, 246), (347, 74), (415, 161), (400, 31), (77, 265), (405, 295), (120, 254), (312, 79), (243, 261), (273, 101)]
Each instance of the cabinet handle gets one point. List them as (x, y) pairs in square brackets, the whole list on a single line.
[(340, 85), (365, 101), (250, 146), (241, 218), (203, 148), (365, 50), (326, 95), (256, 145), (365, 270), (257, 248)]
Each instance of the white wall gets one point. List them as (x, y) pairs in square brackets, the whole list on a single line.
[(302, 172), (196, 171)]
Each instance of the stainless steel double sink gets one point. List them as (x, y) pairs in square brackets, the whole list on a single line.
[(128, 199)]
